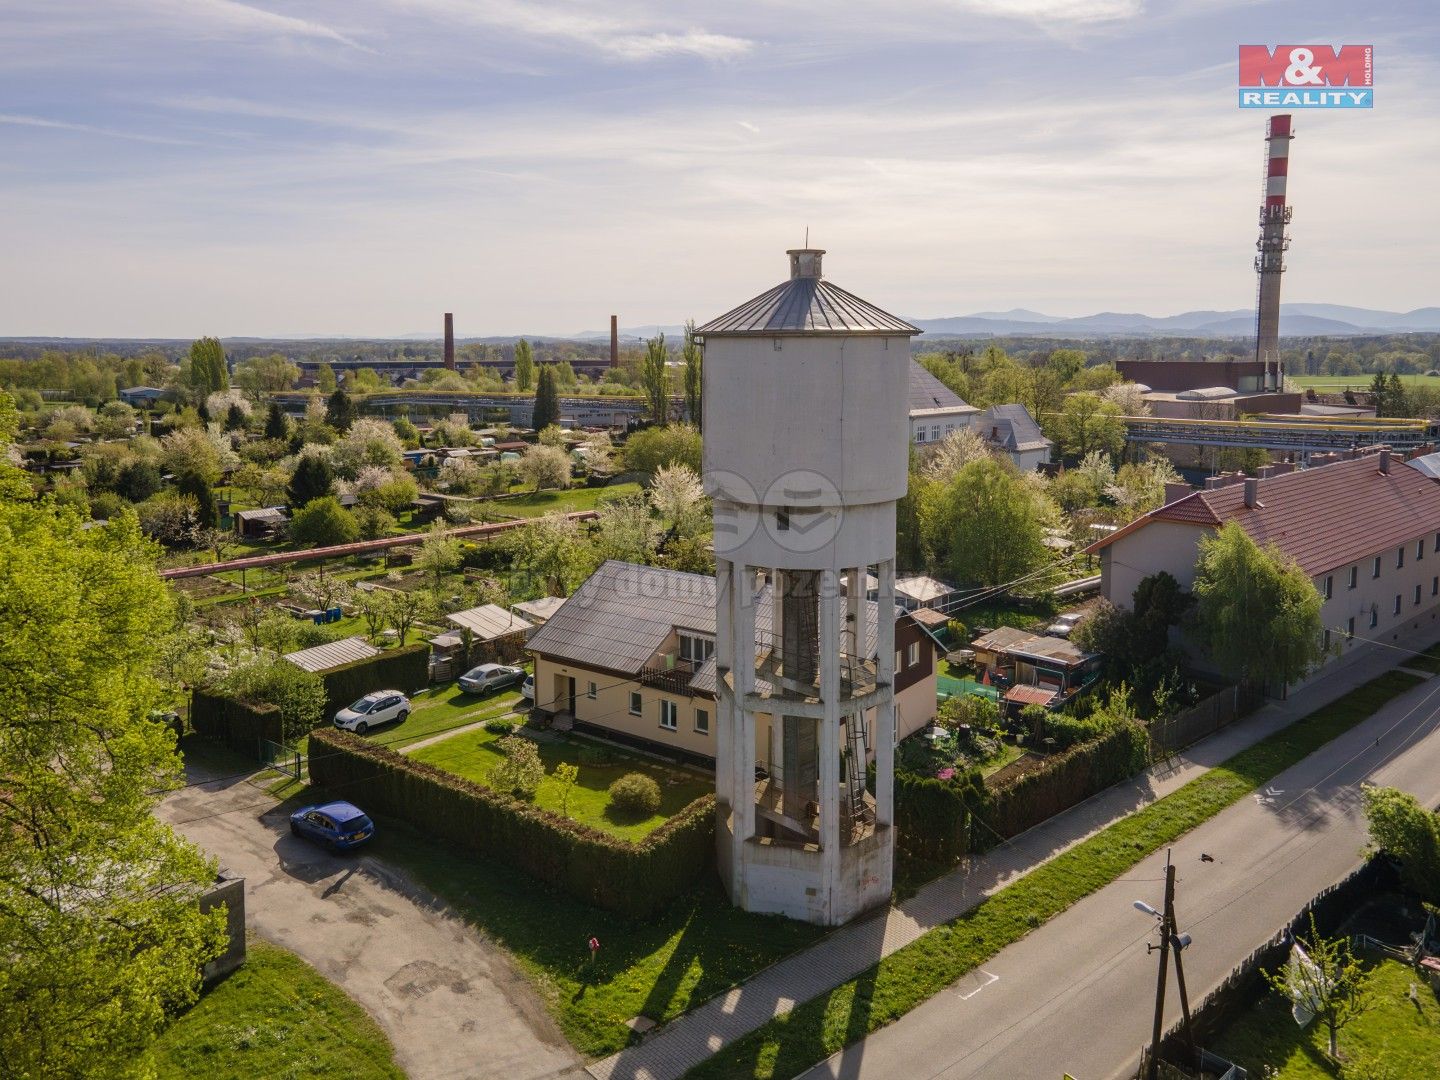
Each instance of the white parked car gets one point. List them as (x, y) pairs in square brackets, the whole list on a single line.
[(1063, 625), (375, 708), (527, 688)]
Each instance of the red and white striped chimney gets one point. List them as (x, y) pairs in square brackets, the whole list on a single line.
[(1273, 242)]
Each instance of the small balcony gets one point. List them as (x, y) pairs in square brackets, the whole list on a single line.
[(674, 678)]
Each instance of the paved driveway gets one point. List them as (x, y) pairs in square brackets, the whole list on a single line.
[(452, 1003)]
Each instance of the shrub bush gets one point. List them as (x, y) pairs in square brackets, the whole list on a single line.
[(501, 725), (635, 795), (521, 771), (638, 879), (234, 723)]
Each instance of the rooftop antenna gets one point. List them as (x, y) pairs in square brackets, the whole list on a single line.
[(807, 236)]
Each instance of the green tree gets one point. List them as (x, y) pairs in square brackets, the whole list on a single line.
[(547, 401), (323, 522), (1328, 980), (1088, 422), (439, 555), (546, 467), (312, 479), (266, 679), (650, 450), (520, 771), (655, 378), (207, 372), (325, 380), (693, 358), (101, 936), (1257, 613), (524, 366), (260, 375), (277, 424), (339, 411), (984, 526), (1398, 404), (198, 489), (566, 775), (1410, 833)]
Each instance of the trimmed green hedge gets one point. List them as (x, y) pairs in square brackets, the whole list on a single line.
[(635, 879), (1067, 779), (406, 669), (236, 724)]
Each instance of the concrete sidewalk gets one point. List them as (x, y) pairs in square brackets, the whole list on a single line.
[(689, 1039)]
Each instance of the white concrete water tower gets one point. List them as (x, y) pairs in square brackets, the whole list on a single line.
[(806, 442)]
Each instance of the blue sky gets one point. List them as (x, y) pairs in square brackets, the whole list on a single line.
[(177, 167)]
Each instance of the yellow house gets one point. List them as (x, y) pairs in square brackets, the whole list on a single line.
[(630, 657)]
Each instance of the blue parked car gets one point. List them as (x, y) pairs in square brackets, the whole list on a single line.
[(340, 826)]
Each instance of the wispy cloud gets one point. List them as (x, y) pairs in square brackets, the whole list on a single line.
[(228, 17), (595, 27), (19, 120), (1069, 11)]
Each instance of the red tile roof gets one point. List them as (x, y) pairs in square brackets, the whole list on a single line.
[(1322, 518)]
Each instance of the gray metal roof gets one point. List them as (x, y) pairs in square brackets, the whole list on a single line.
[(333, 654), (1429, 464), (928, 392), (489, 621), (1012, 427), (806, 304), (622, 614)]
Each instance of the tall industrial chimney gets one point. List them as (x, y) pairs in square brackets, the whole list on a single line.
[(450, 341), (614, 341), (1272, 245)]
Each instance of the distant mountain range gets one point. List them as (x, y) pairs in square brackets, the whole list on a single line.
[(1296, 320)]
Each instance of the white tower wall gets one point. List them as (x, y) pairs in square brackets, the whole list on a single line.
[(806, 445)]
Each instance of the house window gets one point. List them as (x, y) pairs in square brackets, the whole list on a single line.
[(696, 649), (919, 434), (1437, 542), (702, 721), (1325, 642), (1399, 558), (949, 428), (934, 432), (635, 703), (1435, 586), (899, 661), (912, 654), (1374, 616), (1329, 589), (1397, 603), (669, 715), (1374, 573), (1350, 628), (590, 691), (1354, 576), (1417, 595), (1419, 550)]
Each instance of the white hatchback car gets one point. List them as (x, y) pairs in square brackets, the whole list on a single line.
[(375, 708)]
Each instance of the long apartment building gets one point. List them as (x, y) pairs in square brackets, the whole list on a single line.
[(1366, 530)]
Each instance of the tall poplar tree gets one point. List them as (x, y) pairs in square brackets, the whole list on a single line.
[(655, 377), (547, 401), (694, 359), (524, 365)]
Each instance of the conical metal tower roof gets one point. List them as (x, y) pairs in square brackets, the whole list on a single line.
[(806, 304)]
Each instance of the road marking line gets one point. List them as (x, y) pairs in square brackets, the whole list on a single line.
[(990, 977)]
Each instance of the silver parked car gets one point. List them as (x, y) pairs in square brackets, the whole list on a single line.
[(1063, 625), (375, 708), (487, 677)]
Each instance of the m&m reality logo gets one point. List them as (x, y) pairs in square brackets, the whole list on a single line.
[(1307, 77)]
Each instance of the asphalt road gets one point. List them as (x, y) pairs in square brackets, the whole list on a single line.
[(451, 1003), (1077, 994)]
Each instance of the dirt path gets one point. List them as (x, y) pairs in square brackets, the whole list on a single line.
[(452, 1003)]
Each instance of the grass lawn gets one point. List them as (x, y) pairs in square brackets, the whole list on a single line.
[(1429, 660), (700, 947), (1402, 1034), (444, 708), (474, 753), (537, 503), (276, 1017), (886, 991)]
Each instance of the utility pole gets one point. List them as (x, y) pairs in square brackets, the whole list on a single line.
[(1170, 940)]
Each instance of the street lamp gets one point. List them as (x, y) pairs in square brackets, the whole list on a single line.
[(1170, 941)]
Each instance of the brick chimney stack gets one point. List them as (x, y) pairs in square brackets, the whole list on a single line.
[(450, 341), (614, 341)]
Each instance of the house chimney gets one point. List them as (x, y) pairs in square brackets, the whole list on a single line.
[(1175, 491), (450, 341), (1252, 492), (1385, 460), (1265, 472), (614, 341)]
